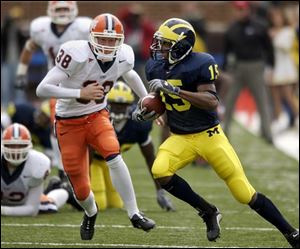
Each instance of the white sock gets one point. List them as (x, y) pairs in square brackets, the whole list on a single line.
[(59, 196), (89, 205), (122, 182)]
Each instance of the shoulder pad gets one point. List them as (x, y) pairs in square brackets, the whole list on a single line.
[(40, 164), (77, 52), (76, 49), (126, 53), (39, 24)]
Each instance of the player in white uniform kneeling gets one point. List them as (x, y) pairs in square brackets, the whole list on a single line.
[(23, 171)]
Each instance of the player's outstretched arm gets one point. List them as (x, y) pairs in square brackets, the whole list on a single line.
[(135, 83)]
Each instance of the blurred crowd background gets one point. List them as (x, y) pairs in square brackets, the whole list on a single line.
[(212, 21)]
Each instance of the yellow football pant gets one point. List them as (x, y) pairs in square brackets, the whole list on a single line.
[(213, 146), (105, 194)]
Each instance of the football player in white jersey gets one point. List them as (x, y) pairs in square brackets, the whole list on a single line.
[(49, 32), (85, 71), (23, 171)]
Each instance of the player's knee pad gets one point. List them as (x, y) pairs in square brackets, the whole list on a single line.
[(160, 166), (241, 190)]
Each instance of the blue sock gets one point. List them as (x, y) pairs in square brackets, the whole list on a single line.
[(182, 190), (266, 209)]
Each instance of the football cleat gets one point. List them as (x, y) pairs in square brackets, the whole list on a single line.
[(163, 201), (293, 238), (87, 227), (212, 222), (141, 222)]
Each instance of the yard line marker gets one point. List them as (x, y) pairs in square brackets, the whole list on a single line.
[(124, 226), (112, 245)]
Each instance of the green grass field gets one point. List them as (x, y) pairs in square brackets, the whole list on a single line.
[(269, 170)]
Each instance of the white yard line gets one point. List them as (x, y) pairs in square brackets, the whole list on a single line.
[(123, 226), (111, 245)]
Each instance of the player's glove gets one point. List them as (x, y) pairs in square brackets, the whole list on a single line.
[(157, 85), (142, 114), (21, 81)]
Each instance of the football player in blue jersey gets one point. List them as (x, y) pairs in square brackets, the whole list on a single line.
[(185, 81), (129, 132)]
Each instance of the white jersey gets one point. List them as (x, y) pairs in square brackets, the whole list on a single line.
[(30, 174), (77, 60), (43, 33)]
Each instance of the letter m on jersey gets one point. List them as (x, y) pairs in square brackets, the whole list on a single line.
[(213, 131)]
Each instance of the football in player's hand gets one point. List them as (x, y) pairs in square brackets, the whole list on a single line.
[(152, 102)]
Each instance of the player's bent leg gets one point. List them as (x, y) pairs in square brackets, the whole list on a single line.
[(227, 165), (177, 186), (122, 181), (266, 209), (98, 183), (114, 199)]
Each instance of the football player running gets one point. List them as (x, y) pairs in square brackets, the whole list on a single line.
[(186, 82), (121, 105), (85, 71), (23, 171)]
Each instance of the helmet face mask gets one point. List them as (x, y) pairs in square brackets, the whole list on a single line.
[(160, 48), (62, 12), (106, 36), (173, 41), (16, 144), (120, 99), (119, 111)]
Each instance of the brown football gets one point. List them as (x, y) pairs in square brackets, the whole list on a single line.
[(152, 102)]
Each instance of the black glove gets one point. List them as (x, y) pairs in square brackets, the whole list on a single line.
[(142, 114), (157, 85), (21, 81)]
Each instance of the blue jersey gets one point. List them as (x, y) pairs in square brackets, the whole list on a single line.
[(195, 69), (132, 132)]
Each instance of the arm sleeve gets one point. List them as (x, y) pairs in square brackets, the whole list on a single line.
[(49, 88), (30, 208), (134, 81)]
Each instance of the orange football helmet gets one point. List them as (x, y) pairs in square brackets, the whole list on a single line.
[(106, 36), (16, 143), (66, 15)]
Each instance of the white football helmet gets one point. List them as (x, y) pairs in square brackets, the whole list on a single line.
[(106, 36), (62, 12), (16, 143)]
